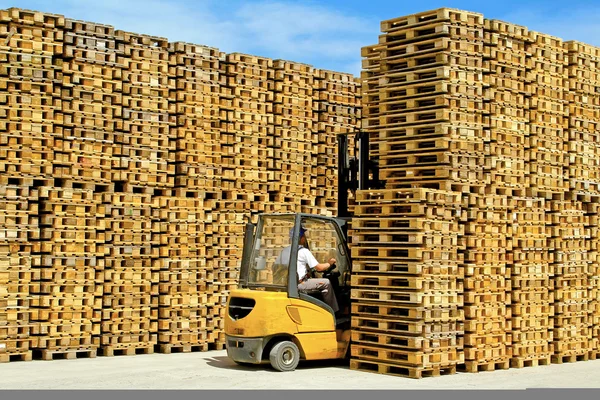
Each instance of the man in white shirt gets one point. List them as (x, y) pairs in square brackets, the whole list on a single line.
[(307, 261)]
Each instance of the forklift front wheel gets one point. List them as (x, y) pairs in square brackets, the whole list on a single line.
[(284, 356)]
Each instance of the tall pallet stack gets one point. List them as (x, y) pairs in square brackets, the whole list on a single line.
[(531, 284), (246, 109), (569, 239), (134, 222), (91, 93), (294, 140), (426, 112), (194, 101), (148, 146), (18, 227), (592, 213), (507, 76), (32, 44), (130, 280), (583, 119), (247, 122), (30, 100), (584, 161), (548, 155), (187, 280), (68, 265), (246, 126), (487, 282), (339, 112), (424, 101), (548, 177), (523, 148), (187, 274), (407, 316)]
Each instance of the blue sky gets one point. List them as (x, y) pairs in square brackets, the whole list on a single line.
[(326, 34)]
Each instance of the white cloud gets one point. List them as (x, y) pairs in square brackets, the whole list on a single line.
[(170, 19), (295, 30)]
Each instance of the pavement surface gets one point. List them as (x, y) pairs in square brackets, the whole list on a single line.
[(213, 370)]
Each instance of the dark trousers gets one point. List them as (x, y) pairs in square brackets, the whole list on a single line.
[(324, 286)]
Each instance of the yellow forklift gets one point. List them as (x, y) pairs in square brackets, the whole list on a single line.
[(268, 320)]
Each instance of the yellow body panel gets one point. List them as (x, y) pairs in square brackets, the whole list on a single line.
[(268, 317), (318, 346), (274, 313), (312, 317)]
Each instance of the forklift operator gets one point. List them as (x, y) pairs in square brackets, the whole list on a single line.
[(307, 261)]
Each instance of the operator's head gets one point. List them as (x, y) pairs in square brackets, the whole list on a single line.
[(301, 236)]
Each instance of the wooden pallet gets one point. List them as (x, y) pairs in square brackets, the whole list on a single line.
[(11, 357), (417, 313), (399, 326), (131, 350), (483, 365), (182, 348), (408, 358), (521, 362), (65, 354), (406, 342), (403, 371)]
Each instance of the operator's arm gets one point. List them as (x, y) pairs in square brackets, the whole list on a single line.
[(312, 261), (325, 266)]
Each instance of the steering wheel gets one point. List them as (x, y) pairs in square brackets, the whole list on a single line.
[(331, 268)]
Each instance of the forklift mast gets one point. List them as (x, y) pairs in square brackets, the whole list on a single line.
[(354, 173)]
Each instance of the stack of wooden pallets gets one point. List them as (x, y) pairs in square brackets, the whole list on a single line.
[(186, 278), (295, 138), (584, 121), (507, 76), (407, 315), (548, 155), (531, 283), (194, 101), (525, 159), (18, 227), (338, 111), (425, 109), (583, 76), (569, 239), (130, 281), (228, 223), (487, 283), (186, 275), (246, 127), (148, 145), (506, 116), (67, 263), (30, 73), (592, 213), (30, 99), (91, 94), (145, 171), (129, 127), (424, 101), (246, 123)]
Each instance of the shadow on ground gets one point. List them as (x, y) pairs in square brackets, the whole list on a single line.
[(227, 363)]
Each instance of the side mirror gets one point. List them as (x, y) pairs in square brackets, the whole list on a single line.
[(261, 263)]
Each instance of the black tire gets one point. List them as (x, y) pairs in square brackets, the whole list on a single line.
[(284, 356)]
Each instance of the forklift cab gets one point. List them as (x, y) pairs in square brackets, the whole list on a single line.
[(275, 251), (268, 319)]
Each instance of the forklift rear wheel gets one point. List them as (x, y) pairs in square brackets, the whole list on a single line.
[(284, 356)]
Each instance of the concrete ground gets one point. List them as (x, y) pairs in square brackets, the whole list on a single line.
[(213, 370)]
